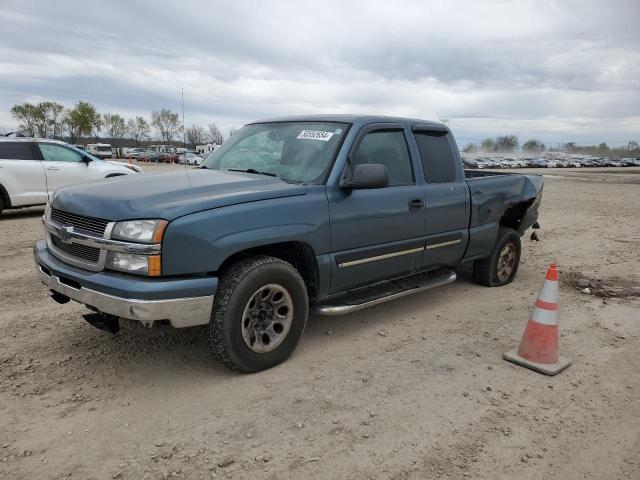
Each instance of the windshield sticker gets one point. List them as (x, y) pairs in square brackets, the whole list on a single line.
[(315, 135), (338, 131)]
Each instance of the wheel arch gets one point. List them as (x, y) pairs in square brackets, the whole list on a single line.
[(299, 254), (4, 195)]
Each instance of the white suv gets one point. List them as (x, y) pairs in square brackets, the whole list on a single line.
[(32, 169)]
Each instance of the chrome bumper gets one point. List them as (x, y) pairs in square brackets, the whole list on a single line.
[(180, 312)]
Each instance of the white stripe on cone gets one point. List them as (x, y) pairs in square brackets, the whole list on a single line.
[(549, 292), (546, 317)]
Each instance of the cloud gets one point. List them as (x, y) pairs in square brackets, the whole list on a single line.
[(561, 70)]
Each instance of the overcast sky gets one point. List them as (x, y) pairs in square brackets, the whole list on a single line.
[(556, 70)]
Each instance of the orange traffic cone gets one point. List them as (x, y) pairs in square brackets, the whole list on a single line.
[(539, 346)]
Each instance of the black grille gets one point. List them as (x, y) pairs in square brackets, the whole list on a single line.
[(89, 254), (95, 226)]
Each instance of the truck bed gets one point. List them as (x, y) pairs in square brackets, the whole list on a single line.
[(494, 195)]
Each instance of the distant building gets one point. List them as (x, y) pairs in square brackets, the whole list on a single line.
[(208, 148)]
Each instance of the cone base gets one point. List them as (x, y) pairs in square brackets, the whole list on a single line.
[(546, 368)]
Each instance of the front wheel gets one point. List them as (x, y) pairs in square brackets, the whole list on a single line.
[(259, 314), (501, 266)]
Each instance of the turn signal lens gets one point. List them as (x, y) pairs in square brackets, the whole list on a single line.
[(155, 265)]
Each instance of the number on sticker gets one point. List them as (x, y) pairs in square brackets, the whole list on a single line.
[(315, 135)]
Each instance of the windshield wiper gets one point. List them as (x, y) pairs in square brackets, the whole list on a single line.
[(252, 170)]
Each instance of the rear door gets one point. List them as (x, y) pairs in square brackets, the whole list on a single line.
[(65, 166), (377, 233), (446, 196), (21, 173)]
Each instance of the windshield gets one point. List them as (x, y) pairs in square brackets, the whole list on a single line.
[(298, 152)]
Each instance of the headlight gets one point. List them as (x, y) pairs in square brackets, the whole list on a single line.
[(138, 264), (142, 231)]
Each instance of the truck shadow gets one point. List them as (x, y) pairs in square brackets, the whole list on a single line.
[(164, 355)]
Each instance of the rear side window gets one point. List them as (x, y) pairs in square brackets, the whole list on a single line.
[(388, 148), (16, 151), (438, 162)]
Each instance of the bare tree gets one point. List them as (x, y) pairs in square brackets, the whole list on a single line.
[(26, 116), (232, 131), (506, 143), (138, 129), (215, 135), (488, 144), (533, 145), (114, 125), (167, 123), (196, 135)]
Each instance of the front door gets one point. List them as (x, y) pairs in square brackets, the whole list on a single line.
[(378, 233), (65, 166)]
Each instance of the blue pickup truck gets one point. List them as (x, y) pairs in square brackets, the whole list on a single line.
[(324, 213)]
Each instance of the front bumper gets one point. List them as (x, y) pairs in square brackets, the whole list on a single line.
[(183, 302)]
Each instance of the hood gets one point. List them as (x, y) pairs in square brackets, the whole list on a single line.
[(169, 195)]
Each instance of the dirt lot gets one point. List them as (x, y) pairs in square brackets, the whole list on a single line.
[(409, 390)]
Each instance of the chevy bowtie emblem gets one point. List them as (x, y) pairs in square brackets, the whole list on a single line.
[(65, 234)]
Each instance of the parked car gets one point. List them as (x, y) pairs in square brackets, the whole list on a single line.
[(32, 169), (156, 157), (189, 159), (327, 213), (136, 153)]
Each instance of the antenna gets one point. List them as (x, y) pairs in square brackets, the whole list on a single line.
[(184, 141)]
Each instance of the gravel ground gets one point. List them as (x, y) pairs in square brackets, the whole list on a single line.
[(413, 389)]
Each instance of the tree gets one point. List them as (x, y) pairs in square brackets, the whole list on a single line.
[(167, 123), (506, 143), (215, 135), (633, 145), (43, 119), (113, 125), (533, 145), (569, 147), (488, 145), (196, 135), (26, 116), (470, 148), (232, 130), (603, 148), (138, 129), (81, 120)]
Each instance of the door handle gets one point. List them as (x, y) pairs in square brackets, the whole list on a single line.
[(415, 204), (53, 168)]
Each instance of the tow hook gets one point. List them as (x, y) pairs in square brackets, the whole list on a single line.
[(104, 321), (534, 236)]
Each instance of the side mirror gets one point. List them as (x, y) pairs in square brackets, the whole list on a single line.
[(86, 159), (366, 175)]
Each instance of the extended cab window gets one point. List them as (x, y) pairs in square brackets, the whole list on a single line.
[(388, 148), (437, 157), (58, 153), (16, 151)]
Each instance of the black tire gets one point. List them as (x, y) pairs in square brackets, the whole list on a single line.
[(1, 205), (238, 285), (488, 272)]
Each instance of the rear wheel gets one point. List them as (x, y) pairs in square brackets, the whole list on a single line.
[(501, 266), (1, 205), (259, 314)]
